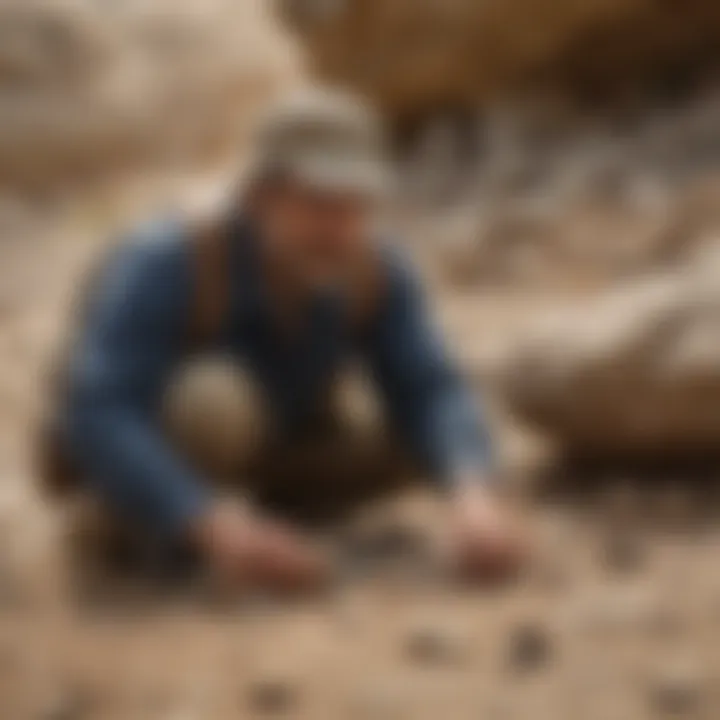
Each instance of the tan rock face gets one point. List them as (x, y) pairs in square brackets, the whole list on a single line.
[(636, 369), (413, 55), (87, 86)]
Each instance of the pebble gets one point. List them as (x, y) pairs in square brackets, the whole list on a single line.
[(676, 692), (68, 704), (530, 648), (623, 553), (437, 645), (395, 552), (273, 696), (389, 543)]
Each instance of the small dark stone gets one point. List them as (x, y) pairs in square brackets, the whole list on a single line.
[(391, 542), (530, 648), (70, 704), (395, 548), (273, 696), (436, 645), (676, 695), (623, 553)]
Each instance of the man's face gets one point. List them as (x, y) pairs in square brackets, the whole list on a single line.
[(317, 234)]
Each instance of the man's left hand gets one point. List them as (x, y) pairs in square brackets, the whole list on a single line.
[(485, 539)]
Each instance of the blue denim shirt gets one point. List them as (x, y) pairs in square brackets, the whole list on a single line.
[(135, 334)]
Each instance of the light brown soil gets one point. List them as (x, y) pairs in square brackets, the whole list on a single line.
[(617, 618)]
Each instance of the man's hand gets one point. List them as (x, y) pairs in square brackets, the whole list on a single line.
[(245, 550), (485, 541)]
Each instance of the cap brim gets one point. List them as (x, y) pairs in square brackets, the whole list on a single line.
[(351, 176)]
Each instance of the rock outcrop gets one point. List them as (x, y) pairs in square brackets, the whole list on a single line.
[(634, 371), (89, 87), (414, 55)]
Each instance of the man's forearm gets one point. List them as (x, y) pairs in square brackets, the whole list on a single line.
[(127, 461), (459, 438)]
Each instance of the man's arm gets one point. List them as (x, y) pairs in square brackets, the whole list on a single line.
[(436, 415), (427, 399), (134, 333)]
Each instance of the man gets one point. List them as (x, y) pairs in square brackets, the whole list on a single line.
[(310, 286)]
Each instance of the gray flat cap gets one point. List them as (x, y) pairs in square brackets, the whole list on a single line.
[(326, 138)]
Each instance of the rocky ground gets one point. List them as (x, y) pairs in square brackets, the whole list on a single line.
[(617, 617)]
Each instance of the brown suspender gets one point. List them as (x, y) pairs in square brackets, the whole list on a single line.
[(211, 292), (211, 296)]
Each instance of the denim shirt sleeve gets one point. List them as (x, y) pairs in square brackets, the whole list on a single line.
[(132, 337), (431, 406)]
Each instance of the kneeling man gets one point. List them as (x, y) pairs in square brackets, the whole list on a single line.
[(290, 285)]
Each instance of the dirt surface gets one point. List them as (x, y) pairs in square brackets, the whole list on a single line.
[(617, 617)]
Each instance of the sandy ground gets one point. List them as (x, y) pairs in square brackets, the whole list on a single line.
[(618, 617)]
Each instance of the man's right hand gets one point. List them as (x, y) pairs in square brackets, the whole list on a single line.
[(246, 550)]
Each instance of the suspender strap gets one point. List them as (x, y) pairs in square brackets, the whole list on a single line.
[(211, 295)]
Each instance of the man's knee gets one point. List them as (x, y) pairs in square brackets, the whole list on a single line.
[(214, 416), (356, 406)]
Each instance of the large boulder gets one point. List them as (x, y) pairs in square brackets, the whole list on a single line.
[(88, 86), (634, 371), (415, 55)]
